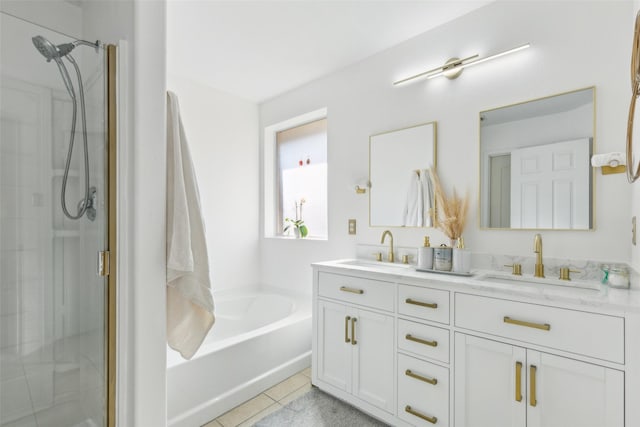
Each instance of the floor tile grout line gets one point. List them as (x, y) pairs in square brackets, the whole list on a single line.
[(250, 416), (289, 394), (265, 394), (266, 415)]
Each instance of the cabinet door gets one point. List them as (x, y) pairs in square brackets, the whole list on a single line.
[(334, 352), (373, 359), (486, 383), (567, 393)]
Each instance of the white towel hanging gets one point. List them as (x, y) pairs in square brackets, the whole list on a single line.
[(412, 215), (189, 299)]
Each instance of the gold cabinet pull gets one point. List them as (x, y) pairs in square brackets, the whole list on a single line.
[(353, 331), (543, 326), (415, 413), (518, 381), (421, 341), (352, 290), (431, 381), (421, 304), (346, 328), (532, 382)]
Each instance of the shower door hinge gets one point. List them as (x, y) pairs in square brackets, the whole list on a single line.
[(103, 263)]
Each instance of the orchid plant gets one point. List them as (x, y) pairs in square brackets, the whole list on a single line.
[(298, 223)]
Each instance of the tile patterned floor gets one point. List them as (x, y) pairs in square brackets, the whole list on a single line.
[(251, 411)]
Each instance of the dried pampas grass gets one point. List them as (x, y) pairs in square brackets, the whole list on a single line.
[(451, 212)]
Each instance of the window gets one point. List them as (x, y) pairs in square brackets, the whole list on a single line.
[(296, 176)]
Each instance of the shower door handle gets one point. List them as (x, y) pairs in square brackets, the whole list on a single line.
[(103, 263)]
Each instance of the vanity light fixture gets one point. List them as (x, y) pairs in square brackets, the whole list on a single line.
[(454, 66)]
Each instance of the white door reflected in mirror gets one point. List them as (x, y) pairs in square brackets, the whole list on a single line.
[(535, 170)]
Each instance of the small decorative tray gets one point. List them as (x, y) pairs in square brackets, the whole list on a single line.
[(453, 273)]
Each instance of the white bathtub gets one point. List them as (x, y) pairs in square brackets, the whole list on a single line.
[(259, 339)]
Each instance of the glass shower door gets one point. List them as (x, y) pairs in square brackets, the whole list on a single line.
[(52, 301)]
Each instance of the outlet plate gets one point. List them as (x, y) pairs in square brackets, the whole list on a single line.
[(352, 226)]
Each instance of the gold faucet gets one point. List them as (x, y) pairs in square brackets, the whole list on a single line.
[(537, 249), (390, 257)]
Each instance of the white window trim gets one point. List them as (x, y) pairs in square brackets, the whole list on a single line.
[(269, 178)]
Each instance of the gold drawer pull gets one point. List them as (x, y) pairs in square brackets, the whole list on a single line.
[(518, 381), (532, 380), (352, 290), (421, 304), (346, 328), (421, 341), (415, 413), (432, 381), (353, 331), (543, 326)]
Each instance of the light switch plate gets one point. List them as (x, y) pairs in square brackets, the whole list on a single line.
[(633, 230), (352, 226)]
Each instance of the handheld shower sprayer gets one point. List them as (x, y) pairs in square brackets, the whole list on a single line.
[(52, 52)]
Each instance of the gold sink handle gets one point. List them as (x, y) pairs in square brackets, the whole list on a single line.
[(565, 273), (516, 269)]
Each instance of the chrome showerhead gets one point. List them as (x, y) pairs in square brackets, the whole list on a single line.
[(46, 48), (51, 51)]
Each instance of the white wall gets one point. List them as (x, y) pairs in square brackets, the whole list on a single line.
[(574, 45), (222, 131)]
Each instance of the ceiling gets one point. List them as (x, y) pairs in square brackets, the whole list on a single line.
[(260, 49)]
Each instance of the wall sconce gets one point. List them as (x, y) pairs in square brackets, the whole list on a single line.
[(454, 66), (362, 185)]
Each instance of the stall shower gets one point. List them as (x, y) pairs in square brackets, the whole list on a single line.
[(54, 221)]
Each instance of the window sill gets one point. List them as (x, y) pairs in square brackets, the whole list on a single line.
[(313, 238)]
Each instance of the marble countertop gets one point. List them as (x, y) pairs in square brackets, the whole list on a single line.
[(481, 282)]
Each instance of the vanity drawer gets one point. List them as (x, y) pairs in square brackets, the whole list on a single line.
[(367, 292), (425, 303), (424, 387), (590, 334), (424, 340)]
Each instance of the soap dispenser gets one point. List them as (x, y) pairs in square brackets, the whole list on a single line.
[(425, 255), (461, 258)]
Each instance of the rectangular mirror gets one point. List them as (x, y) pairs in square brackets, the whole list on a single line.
[(401, 194), (535, 170)]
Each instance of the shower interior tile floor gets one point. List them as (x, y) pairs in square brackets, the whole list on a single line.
[(252, 411)]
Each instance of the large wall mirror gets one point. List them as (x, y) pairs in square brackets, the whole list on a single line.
[(401, 194), (535, 170)]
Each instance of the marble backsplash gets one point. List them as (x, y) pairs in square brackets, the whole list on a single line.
[(590, 270)]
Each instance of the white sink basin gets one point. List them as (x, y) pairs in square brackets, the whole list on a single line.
[(536, 281)]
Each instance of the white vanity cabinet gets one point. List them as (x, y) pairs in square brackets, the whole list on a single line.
[(435, 350), (498, 384), (355, 346), (539, 388)]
